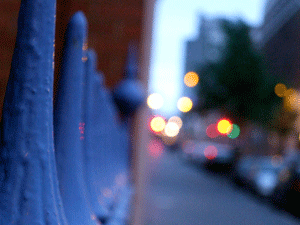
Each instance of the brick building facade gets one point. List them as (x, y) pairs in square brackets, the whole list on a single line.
[(112, 25)]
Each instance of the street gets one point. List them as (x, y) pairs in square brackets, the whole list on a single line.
[(179, 193)]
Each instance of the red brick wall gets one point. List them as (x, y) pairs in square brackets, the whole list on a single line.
[(8, 30), (112, 25)]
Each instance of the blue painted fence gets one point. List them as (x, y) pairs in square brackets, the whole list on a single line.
[(67, 164)]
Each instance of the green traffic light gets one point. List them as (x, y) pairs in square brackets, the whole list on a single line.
[(235, 132)]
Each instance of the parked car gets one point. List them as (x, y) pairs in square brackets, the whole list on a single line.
[(292, 193), (258, 173), (287, 191), (272, 177), (244, 171), (267, 176), (210, 154)]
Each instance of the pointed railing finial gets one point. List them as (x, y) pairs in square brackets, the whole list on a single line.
[(68, 126), (130, 93), (29, 191), (131, 66)]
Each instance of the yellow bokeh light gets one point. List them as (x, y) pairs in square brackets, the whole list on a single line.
[(224, 127), (155, 101), (184, 104), (177, 120), (292, 100), (171, 129), (157, 124), (191, 79), (280, 89)]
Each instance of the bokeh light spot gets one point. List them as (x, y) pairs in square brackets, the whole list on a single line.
[(211, 131), (291, 100), (155, 148), (210, 152), (280, 89), (171, 129), (235, 131), (191, 79), (224, 126), (184, 104), (177, 120), (155, 101), (158, 124)]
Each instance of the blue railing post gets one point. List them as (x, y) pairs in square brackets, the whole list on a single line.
[(29, 189), (109, 147), (105, 134), (68, 127), (89, 143), (128, 95)]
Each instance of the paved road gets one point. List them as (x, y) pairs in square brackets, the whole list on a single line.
[(180, 194)]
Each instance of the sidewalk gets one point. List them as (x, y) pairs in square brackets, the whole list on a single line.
[(180, 194)]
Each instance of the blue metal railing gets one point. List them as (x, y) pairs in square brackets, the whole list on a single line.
[(67, 120), (69, 167)]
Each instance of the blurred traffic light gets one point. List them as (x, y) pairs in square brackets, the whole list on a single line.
[(224, 126), (235, 132)]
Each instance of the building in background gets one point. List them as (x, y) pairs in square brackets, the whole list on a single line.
[(281, 46), (206, 48), (281, 42), (209, 47), (277, 38), (210, 44)]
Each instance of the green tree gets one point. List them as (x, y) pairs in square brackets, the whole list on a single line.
[(238, 85)]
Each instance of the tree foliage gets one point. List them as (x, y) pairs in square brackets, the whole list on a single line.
[(238, 85)]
